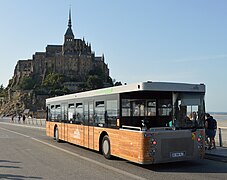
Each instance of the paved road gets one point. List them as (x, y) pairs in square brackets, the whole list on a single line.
[(26, 153)]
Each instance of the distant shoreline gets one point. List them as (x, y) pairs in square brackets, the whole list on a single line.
[(218, 113)]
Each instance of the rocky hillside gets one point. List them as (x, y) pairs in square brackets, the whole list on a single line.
[(19, 100)]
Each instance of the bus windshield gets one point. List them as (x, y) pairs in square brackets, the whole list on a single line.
[(163, 109), (189, 111)]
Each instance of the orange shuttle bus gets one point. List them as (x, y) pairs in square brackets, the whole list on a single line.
[(146, 123)]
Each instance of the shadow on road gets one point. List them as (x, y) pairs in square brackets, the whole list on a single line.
[(9, 166), (13, 176), (18, 177), (7, 161), (202, 166)]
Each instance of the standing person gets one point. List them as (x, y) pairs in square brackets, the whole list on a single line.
[(211, 127), (23, 118), (12, 118), (19, 118)]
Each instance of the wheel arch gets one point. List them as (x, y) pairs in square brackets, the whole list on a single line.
[(104, 133)]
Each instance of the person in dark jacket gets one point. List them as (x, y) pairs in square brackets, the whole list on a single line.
[(23, 118), (211, 127)]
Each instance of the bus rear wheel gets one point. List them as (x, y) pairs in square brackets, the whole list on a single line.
[(106, 147), (56, 134)]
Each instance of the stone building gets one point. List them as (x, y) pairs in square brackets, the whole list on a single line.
[(74, 59)]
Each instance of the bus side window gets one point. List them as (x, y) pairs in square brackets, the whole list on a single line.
[(64, 111), (52, 113), (86, 118), (126, 110), (58, 115), (111, 113), (99, 115), (71, 112), (79, 113), (164, 107), (151, 108)]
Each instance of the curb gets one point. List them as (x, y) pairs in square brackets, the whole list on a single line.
[(24, 125), (215, 157)]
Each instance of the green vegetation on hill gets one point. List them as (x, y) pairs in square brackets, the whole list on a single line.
[(53, 83), (27, 83), (2, 91)]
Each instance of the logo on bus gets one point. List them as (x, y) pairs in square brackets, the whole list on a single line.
[(76, 134)]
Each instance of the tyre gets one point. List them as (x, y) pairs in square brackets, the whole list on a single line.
[(106, 147), (56, 135)]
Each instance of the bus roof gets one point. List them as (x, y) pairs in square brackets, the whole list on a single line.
[(142, 86)]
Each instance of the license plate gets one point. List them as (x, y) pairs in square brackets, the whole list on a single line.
[(177, 154)]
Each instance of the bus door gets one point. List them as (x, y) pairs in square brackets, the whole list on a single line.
[(64, 129), (91, 125), (88, 127), (85, 130)]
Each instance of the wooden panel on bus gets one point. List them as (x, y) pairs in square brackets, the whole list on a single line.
[(48, 128), (75, 134)]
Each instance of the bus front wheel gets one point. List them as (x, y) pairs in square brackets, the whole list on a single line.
[(106, 147)]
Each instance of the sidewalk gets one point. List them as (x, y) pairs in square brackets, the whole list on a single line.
[(219, 154)]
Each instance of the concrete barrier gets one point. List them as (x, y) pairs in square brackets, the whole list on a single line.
[(35, 121), (28, 121)]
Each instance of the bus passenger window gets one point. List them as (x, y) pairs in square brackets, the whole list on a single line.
[(64, 110), (58, 113), (99, 113), (71, 111), (52, 113), (164, 107), (138, 107), (111, 113), (151, 108), (79, 112), (126, 107), (86, 118)]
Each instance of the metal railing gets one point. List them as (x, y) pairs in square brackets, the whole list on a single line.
[(29, 121), (35, 121), (221, 137)]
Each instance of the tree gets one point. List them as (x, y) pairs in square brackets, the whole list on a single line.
[(110, 81), (27, 83), (2, 90), (94, 82), (1, 87), (118, 83), (53, 80)]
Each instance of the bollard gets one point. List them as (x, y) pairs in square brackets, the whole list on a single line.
[(220, 137)]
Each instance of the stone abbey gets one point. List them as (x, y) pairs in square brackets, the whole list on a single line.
[(74, 59)]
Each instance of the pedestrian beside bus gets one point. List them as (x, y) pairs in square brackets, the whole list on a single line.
[(211, 128), (12, 118), (23, 118), (19, 117)]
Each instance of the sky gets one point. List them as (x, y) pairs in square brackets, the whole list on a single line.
[(142, 40)]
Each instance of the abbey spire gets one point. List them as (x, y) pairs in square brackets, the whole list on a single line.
[(70, 22), (69, 36)]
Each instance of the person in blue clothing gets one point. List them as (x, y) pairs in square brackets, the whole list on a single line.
[(211, 127)]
